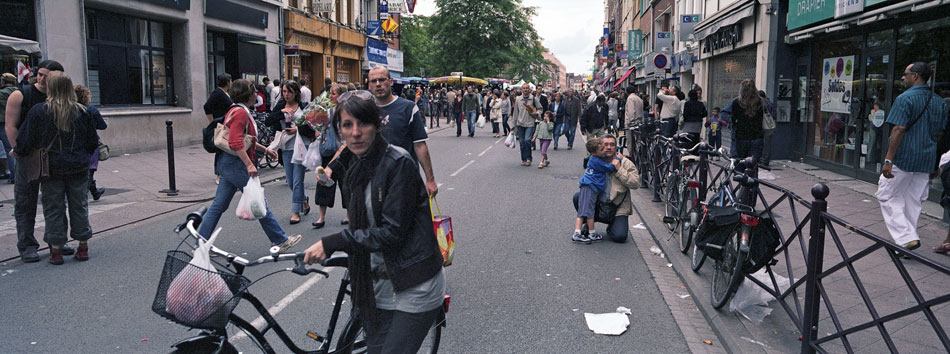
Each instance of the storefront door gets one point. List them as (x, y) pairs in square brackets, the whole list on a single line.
[(877, 71)]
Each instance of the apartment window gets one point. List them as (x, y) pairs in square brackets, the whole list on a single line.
[(130, 59)]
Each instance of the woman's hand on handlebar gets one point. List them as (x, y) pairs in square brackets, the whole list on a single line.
[(314, 253)]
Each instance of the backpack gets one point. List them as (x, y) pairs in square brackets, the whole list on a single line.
[(207, 135)]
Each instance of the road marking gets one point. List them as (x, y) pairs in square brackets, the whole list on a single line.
[(484, 151), (460, 169), (438, 185), (280, 305), (499, 140)]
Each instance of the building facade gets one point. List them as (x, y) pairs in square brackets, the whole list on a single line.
[(328, 44)]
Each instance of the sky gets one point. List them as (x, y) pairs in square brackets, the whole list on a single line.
[(570, 29)]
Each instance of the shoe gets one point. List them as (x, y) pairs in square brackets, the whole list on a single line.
[(580, 238), (217, 179), (67, 251), (294, 218), (944, 248), (570, 147), (97, 193), (82, 253), (596, 237), (344, 222), (527, 163), (306, 206), (291, 242), (30, 256), (541, 165), (555, 148), (912, 245), (318, 225), (547, 163), (55, 256)]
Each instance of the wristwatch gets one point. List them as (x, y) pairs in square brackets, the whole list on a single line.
[(888, 162)]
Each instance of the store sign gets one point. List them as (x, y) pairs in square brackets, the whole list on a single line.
[(634, 43), (848, 7), (383, 7), (836, 82), (805, 12), (397, 7), (395, 59), (175, 4), (374, 28), (725, 37), (687, 22), (663, 42), (376, 51), (235, 13), (322, 5), (622, 54)]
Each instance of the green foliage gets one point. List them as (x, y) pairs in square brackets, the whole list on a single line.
[(487, 38)]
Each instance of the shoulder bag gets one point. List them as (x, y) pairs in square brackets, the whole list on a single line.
[(221, 133), (606, 212), (36, 164), (768, 122)]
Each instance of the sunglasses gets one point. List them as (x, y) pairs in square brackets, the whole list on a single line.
[(361, 94)]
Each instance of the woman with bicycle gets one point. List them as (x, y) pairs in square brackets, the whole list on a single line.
[(394, 260)]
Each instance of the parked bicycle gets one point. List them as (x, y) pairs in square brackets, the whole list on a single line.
[(213, 337), (688, 189), (265, 135)]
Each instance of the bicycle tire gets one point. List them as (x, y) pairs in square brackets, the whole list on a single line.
[(697, 258), (353, 339), (727, 273), (672, 206), (203, 347), (686, 227)]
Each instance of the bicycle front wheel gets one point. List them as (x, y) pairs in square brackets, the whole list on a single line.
[(687, 218), (672, 219), (697, 258), (727, 272)]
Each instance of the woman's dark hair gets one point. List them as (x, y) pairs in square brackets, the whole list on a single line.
[(240, 90), (679, 93), (693, 95), (260, 88), (293, 86), (364, 110), (50, 65)]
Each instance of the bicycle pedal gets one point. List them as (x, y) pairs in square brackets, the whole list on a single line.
[(669, 220), (315, 337)]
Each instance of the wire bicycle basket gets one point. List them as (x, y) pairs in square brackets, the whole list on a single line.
[(207, 308)]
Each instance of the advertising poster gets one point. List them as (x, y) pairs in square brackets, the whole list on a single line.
[(836, 82)]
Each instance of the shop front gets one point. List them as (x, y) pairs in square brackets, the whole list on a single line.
[(848, 79), (18, 35), (326, 51)]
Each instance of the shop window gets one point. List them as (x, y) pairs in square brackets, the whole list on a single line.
[(916, 42), (19, 19), (129, 60), (834, 128)]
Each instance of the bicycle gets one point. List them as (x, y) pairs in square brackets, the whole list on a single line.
[(674, 153), (723, 195), (213, 337), (265, 135), (691, 189)]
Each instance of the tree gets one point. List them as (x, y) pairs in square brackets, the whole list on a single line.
[(417, 45), (486, 38)]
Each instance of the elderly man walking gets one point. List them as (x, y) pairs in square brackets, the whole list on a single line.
[(526, 109), (918, 116)]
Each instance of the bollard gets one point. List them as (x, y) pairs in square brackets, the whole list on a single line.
[(171, 191), (816, 249)]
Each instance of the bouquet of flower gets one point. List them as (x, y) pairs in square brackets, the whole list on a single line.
[(317, 113)]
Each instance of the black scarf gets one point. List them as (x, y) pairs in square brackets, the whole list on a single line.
[(359, 175)]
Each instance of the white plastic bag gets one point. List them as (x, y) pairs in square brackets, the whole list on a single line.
[(198, 291), (751, 301), (300, 150), (252, 206), (511, 141), (480, 122), (312, 159)]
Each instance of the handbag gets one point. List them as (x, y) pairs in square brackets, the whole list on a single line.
[(606, 212), (222, 131), (442, 226), (103, 152), (207, 136), (36, 164), (768, 122), (329, 142)]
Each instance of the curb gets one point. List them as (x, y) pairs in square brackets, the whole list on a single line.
[(209, 195)]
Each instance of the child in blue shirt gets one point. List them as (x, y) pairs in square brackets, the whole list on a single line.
[(592, 185)]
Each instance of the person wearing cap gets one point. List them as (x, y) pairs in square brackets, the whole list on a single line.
[(8, 84)]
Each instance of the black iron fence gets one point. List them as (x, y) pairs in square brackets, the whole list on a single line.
[(824, 259)]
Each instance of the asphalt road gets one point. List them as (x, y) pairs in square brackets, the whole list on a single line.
[(518, 284)]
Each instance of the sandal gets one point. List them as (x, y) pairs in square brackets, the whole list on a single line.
[(944, 248)]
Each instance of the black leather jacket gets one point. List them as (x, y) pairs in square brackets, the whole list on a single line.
[(403, 231)]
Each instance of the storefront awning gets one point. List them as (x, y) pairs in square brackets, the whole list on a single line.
[(624, 77), (13, 45), (703, 30)]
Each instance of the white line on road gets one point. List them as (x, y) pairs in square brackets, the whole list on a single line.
[(274, 310), (460, 169), (499, 140), (484, 151)]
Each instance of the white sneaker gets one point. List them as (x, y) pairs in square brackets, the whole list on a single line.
[(291, 242), (596, 236)]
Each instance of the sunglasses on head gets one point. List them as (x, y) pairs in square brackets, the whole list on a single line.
[(361, 94)]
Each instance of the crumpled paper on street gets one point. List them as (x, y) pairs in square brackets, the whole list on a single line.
[(751, 301), (613, 323)]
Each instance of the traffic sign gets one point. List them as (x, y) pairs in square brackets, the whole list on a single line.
[(660, 61)]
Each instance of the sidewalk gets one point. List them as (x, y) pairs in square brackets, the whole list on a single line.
[(852, 201), (132, 185)]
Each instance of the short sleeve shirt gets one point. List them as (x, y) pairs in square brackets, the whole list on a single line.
[(403, 124), (918, 150)]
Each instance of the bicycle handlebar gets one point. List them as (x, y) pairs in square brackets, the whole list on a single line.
[(275, 255)]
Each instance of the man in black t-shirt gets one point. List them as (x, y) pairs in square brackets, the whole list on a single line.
[(25, 193), (217, 106)]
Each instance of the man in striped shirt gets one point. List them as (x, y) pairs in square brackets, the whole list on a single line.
[(918, 116)]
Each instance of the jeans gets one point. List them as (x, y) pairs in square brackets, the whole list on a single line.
[(494, 127), (58, 192), (747, 148), (398, 331), (295, 176), (458, 124), (25, 196), (569, 131), (470, 117), (767, 146), (619, 230), (668, 127), (11, 162), (558, 131), (524, 135), (233, 178), (504, 123)]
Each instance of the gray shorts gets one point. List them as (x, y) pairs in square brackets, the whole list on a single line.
[(586, 201)]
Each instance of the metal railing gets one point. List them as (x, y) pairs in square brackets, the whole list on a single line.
[(805, 298)]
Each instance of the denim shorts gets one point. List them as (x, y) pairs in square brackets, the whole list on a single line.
[(586, 201)]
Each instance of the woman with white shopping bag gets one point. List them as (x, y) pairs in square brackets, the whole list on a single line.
[(238, 168), (296, 140)]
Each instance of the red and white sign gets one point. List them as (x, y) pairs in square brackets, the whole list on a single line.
[(661, 61), (22, 72)]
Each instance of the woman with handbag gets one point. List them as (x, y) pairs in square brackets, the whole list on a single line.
[(56, 141), (282, 118), (238, 165), (395, 264), (83, 96), (747, 114), (329, 145)]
